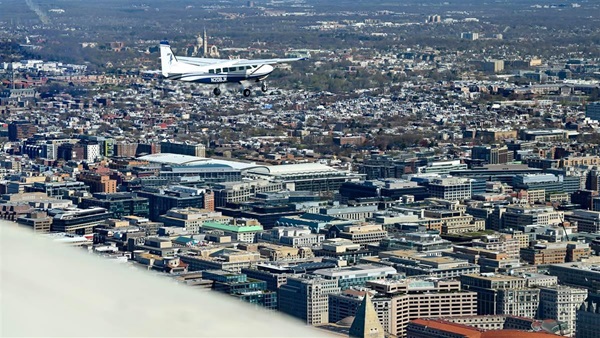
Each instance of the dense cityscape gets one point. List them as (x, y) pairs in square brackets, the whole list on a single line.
[(427, 169)]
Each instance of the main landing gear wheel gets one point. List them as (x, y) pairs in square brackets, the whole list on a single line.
[(246, 92), (217, 91), (264, 87)]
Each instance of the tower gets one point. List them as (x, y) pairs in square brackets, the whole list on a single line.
[(205, 45), (366, 324)]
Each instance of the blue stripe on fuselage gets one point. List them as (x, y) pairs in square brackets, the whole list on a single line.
[(216, 78)]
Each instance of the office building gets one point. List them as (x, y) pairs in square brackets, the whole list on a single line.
[(492, 154), (584, 275), (550, 183), (119, 203), (236, 192), (59, 189), (353, 213), (38, 221), (451, 188), (561, 303), (162, 200), (360, 234), (469, 36), (500, 294), (588, 319), (21, 130), (70, 152), (381, 167), (414, 263), (267, 214), (355, 276), (519, 216), (587, 221), (78, 221), (240, 286), (190, 149), (315, 222), (392, 190), (190, 218), (240, 229), (438, 328), (220, 259), (274, 280), (399, 301), (342, 250), (307, 298), (555, 253), (592, 110), (441, 167), (98, 182), (293, 236), (418, 241)]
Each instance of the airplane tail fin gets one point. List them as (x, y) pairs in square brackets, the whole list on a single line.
[(167, 58)]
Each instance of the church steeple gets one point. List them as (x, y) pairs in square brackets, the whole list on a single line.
[(366, 324)]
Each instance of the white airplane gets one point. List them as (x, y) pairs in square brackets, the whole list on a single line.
[(217, 71)]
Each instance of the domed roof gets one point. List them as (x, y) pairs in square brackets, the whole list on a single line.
[(346, 321)]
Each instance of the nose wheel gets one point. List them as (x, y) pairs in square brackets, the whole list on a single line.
[(217, 91), (264, 87)]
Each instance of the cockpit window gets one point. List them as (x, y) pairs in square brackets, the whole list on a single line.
[(248, 67), (254, 66)]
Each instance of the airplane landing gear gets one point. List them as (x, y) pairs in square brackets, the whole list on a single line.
[(217, 91), (264, 87), (246, 92)]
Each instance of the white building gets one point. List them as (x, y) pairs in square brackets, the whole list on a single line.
[(561, 303)]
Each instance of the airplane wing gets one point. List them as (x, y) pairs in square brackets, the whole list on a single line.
[(200, 61), (245, 62)]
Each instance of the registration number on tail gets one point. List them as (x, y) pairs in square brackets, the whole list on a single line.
[(218, 79)]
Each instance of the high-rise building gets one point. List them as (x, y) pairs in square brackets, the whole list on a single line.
[(306, 297), (561, 303)]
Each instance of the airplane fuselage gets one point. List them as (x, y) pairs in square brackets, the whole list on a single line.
[(219, 73)]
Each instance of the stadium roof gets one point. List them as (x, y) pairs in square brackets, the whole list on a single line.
[(187, 160), (287, 169)]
